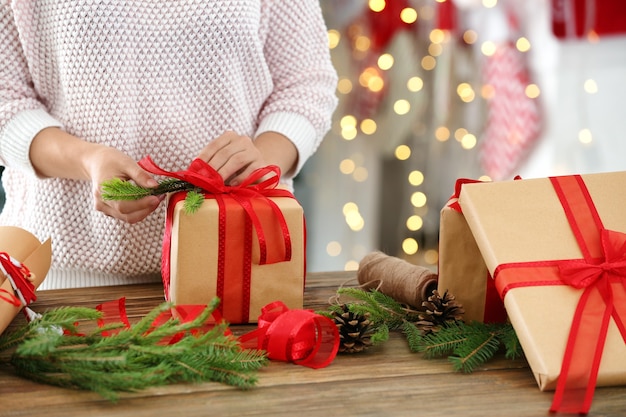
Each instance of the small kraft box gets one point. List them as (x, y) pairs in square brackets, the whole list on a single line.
[(556, 248), (462, 270), (244, 245), (24, 264)]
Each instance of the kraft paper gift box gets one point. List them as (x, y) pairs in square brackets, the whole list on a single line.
[(26, 249), (208, 259), (556, 249), (462, 270)]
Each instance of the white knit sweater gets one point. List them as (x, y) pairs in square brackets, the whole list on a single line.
[(159, 78)]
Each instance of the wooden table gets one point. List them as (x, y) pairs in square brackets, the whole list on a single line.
[(387, 380)]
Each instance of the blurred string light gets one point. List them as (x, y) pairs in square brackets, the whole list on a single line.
[(374, 77)]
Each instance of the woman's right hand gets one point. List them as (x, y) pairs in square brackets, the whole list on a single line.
[(107, 163), (56, 153)]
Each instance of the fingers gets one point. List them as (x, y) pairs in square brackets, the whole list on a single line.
[(111, 163), (233, 156), (129, 211)]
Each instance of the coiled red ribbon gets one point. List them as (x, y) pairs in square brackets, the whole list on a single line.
[(600, 274), (298, 336), (261, 216)]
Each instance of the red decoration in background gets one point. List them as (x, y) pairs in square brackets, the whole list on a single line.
[(576, 18), (446, 15), (385, 24), (513, 118), (380, 27)]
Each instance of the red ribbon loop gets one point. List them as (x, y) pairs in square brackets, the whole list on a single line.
[(19, 275), (298, 336)]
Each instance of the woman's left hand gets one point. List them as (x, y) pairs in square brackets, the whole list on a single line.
[(233, 156)]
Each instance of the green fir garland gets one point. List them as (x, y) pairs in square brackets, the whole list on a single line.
[(467, 345), (131, 359)]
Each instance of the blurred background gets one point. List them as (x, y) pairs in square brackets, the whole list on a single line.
[(431, 91)]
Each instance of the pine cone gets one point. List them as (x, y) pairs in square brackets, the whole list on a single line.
[(439, 310), (354, 330)]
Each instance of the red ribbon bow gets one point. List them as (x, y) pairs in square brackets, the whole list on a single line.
[(582, 274), (203, 176)]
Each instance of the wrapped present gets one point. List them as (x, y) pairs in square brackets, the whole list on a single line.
[(557, 251), (462, 270), (245, 244), (24, 264)]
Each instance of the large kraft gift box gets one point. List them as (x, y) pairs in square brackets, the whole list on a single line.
[(557, 251), (218, 251), (462, 270), (29, 257)]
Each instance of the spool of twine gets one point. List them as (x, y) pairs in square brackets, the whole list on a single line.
[(403, 281)]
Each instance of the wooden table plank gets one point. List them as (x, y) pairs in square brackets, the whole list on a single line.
[(386, 380)]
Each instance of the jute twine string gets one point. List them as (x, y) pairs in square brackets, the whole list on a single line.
[(401, 280)]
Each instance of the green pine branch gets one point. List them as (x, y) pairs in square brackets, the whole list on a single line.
[(132, 359), (385, 313), (117, 189), (467, 345)]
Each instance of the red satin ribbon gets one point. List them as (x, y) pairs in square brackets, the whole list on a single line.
[(600, 275), (298, 336), (19, 275), (114, 312), (261, 215)]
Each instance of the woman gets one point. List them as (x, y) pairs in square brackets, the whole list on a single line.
[(89, 88)]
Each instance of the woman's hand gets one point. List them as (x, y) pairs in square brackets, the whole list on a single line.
[(56, 153), (107, 163), (235, 156)]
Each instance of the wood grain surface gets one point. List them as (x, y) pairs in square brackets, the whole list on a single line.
[(387, 380)]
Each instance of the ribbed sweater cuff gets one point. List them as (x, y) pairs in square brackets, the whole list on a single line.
[(295, 127), (18, 135), (68, 278)]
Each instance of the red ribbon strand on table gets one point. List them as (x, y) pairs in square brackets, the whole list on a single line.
[(600, 275), (261, 215), (299, 336)]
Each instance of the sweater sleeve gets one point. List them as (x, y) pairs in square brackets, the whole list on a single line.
[(22, 115), (303, 100)]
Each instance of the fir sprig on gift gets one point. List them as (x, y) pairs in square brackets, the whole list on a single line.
[(130, 359), (117, 189), (467, 345)]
